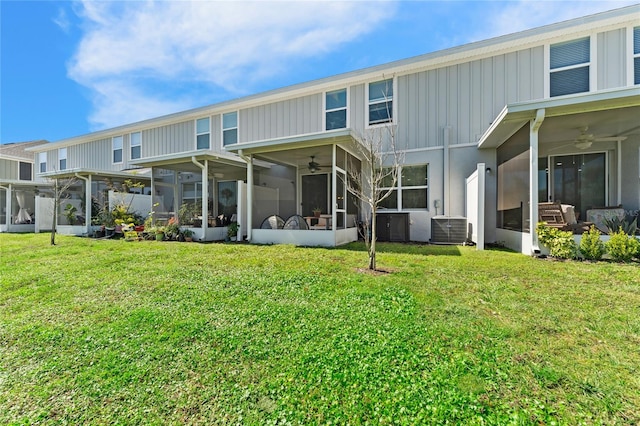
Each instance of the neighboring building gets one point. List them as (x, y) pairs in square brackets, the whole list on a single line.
[(489, 129), (18, 188)]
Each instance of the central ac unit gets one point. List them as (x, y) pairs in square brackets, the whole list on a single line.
[(448, 230)]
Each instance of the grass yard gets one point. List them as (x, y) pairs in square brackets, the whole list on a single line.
[(111, 332)]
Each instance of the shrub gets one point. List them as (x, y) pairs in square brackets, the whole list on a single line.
[(560, 243), (622, 247), (629, 227), (591, 246)]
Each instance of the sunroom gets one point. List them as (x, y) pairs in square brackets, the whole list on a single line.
[(180, 181), (581, 151), (303, 198)]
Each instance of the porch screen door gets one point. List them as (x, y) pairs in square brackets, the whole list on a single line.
[(580, 180), (315, 193)]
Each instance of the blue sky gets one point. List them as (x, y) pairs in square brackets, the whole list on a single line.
[(71, 67)]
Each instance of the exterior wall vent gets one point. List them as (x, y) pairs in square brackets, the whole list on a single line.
[(448, 230)]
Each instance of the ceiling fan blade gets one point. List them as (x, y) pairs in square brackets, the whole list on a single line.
[(610, 139)]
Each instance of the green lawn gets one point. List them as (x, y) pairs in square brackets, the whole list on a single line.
[(111, 332)]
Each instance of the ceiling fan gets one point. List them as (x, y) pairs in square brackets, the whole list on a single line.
[(313, 166), (584, 140)]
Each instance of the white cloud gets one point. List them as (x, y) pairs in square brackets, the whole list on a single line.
[(62, 20), (513, 16), (230, 46)]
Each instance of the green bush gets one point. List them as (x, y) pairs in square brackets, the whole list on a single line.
[(591, 246), (560, 243), (622, 247)]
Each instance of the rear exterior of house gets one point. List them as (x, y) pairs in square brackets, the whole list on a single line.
[(18, 187), (488, 130)]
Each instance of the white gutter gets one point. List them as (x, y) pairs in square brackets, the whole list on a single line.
[(249, 160), (87, 203), (205, 194), (534, 126)]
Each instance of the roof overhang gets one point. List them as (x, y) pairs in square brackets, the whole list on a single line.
[(23, 183), (64, 174), (296, 142), (514, 116), (186, 157)]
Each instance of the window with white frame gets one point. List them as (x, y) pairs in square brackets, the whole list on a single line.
[(569, 64), (116, 143), (636, 55), (203, 133), (336, 109), (42, 161), (230, 128), (411, 190), (62, 158), (381, 102), (136, 144)]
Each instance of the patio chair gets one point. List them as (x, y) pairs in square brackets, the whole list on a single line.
[(296, 222), (273, 222), (561, 216)]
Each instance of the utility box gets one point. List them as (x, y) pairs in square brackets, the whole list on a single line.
[(392, 227)]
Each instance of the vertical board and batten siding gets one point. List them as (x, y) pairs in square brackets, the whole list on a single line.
[(357, 108), (169, 139), (94, 155), (9, 169), (465, 97), (281, 119), (611, 59)]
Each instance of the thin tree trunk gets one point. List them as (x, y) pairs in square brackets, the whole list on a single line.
[(372, 244)]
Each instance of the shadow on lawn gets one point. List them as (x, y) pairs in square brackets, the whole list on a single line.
[(408, 248)]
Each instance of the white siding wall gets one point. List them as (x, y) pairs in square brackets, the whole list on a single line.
[(466, 97), (8, 169), (281, 119), (179, 137), (611, 59)]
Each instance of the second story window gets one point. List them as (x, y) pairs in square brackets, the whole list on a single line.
[(636, 55), (62, 158), (136, 143), (42, 162), (229, 128), (203, 133), (117, 149), (336, 109), (381, 102), (569, 67)]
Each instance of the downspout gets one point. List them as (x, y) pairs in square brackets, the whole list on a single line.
[(249, 161), (87, 203), (534, 126), (205, 195)]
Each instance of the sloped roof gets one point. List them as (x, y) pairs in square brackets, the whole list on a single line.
[(18, 150)]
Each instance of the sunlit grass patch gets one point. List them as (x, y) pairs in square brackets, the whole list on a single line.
[(147, 332)]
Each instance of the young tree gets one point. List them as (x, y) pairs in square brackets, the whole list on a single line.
[(376, 178), (60, 187)]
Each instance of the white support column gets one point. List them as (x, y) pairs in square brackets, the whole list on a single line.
[(334, 192), (445, 171), (205, 198), (482, 173), (249, 197), (88, 204), (249, 160), (9, 206), (534, 126), (619, 174)]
